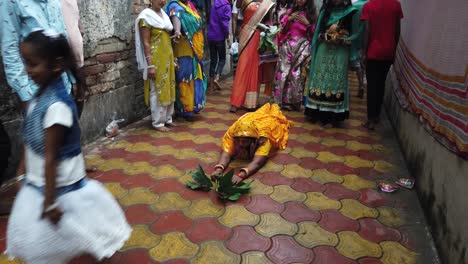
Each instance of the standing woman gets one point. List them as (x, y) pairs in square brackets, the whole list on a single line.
[(246, 81), (294, 49), (188, 44), (327, 96), (156, 60)]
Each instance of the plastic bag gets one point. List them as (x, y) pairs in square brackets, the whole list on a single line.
[(112, 129), (234, 48)]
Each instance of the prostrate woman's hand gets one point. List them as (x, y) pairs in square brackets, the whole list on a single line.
[(236, 179), (52, 212), (216, 172)]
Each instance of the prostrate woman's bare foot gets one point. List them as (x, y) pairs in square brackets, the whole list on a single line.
[(162, 129)]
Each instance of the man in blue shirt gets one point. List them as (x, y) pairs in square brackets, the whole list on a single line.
[(18, 19)]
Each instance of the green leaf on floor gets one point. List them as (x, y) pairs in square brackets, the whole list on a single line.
[(201, 181), (221, 184)]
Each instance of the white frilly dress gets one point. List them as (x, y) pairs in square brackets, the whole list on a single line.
[(92, 222)]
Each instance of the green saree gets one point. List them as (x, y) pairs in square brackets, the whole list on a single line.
[(327, 94)]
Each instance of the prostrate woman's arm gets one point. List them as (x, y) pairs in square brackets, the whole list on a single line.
[(256, 164), (53, 140), (146, 36), (224, 161)]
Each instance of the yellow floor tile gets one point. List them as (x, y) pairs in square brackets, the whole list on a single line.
[(354, 246), (272, 224), (311, 235)]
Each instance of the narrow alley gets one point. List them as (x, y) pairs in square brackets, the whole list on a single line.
[(315, 202)]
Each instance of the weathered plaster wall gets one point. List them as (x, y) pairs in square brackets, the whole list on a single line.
[(441, 181), (110, 71)]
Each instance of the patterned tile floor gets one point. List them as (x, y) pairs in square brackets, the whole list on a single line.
[(315, 202)]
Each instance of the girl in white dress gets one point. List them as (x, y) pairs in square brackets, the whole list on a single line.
[(59, 213)]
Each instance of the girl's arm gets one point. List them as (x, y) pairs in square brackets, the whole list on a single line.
[(53, 140)]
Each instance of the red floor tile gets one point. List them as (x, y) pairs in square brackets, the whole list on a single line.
[(374, 231), (140, 138), (307, 185), (207, 147), (285, 249), (406, 239), (284, 159), (114, 153), (163, 160), (315, 147), (337, 191), (296, 212), (171, 221), (140, 156), (168, 185), (333, 221), (370, 261), (369, 155), (3, 227), (341, 169), (313, 164), (370, 174), (341, 151), (139, 256), (184, 144), (330, 255), (208, 229), (138, 180), (2, 245), (244, 238), (140, 214), (176, 261), (373, 198), (273, 179), (260, 204), (112, 176), (84, 259), (191, 165), (190, 194)]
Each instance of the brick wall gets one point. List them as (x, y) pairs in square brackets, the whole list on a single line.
[(114, 84)]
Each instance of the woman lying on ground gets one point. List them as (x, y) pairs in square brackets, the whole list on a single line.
[(254, 136)]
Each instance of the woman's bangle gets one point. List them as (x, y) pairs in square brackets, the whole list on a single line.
[(246, 171), (150, 67), (219, 166)]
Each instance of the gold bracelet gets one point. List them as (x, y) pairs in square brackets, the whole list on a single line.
[(219, 166), (246, 171)]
